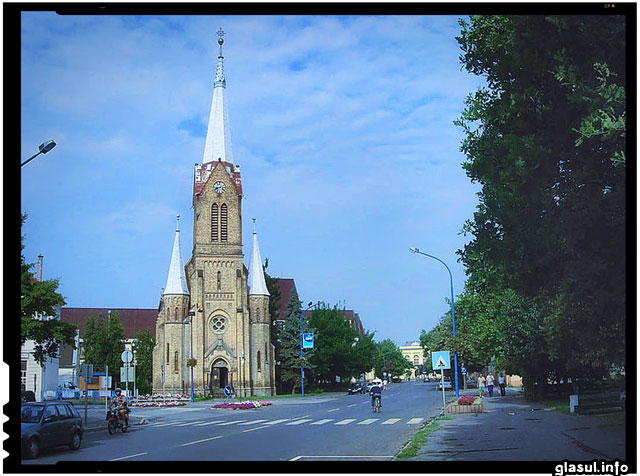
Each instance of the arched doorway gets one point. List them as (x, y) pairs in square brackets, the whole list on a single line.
[(220, 377)]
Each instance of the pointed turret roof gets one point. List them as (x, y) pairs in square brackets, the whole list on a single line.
[(176, 281), (218, 142), (257, 284)]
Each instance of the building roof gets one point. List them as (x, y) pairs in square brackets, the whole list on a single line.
[(256, 281), (133, 320), (176, 280), (349, 315), (286, 286), (218, 141)]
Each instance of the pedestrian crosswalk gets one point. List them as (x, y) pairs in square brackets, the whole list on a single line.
[(289, 422)]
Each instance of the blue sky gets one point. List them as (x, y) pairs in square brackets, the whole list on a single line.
[(342, 126)]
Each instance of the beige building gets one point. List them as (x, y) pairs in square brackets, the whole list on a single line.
[(413, 352), (215, 309)]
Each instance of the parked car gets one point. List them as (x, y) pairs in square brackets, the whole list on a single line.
[(357, 388), (425, 379), (48, 424), (447, 385)]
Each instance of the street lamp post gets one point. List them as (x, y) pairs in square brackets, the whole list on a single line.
[(301, 339), (189, 321), (43, 149), (453, 317)]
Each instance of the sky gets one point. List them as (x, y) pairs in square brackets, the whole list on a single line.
[(342, 126)]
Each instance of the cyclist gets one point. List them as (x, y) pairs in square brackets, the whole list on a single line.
[(120, 404), (376, 392)]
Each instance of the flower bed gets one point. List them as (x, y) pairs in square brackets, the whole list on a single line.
[(157, 404), (465, 404), (241, 405)]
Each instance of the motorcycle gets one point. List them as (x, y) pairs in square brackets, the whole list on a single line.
[(114, 422)]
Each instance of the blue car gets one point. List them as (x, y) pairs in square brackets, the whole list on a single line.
[(47, 424)]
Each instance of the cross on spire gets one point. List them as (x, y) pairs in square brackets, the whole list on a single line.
[(220, 39)]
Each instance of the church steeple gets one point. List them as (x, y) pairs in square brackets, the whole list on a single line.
[(176, 282), (257, 284), (218, 141)]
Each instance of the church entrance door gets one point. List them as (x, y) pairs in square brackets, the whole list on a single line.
[(219, 378)]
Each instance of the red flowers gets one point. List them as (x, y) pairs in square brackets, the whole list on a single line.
[(466, 400)]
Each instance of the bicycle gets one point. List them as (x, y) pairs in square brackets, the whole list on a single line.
[(378, 404)]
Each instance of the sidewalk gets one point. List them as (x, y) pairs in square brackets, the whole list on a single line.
[(512, 429)]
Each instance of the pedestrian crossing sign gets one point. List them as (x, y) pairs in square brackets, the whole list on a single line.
[(440, 360)]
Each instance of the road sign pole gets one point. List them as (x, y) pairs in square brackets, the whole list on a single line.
[(106, 379), (444, 401)]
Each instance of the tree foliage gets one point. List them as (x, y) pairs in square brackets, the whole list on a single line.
[(103, 341), (389, 359), (288, 350), (546, 141), (145, 343), (39, 304)]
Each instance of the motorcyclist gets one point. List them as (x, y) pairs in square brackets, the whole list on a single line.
[(376, 392), (120, 403)]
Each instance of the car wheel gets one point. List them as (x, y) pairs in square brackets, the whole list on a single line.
[(76, 440), (33, 448)]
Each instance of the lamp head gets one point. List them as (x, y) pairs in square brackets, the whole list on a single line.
[(414, 250), (46, 146)]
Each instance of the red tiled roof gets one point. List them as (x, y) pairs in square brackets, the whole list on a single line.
[(286, 286), (133, 320)]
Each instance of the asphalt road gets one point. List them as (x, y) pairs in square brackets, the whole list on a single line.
[(333, 427)]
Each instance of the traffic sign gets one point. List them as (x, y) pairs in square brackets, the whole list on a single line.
[(463, 370), (307, 341), (227, 390), (87, 371), (127, 374), (440, 360), (126, 356)]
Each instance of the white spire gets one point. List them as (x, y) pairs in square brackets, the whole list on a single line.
[(176, 282), (218, 142), (257, 284)]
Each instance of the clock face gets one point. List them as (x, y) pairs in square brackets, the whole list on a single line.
[(218, 187)]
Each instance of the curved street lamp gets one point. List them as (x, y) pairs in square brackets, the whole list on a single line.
[(453, 316), (43, 149), (188, 320)]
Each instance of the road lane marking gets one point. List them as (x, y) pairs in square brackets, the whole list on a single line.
[(231, 422), (168, 424), (209, 423), (391, 421), (368, 421), (256, 428), (346, 421), (299, 422), (130, 456), (201, 441), (322, 422), (252, 422), (352, 405), (333, 410), (188, 423), (414, 421), (275, 422)]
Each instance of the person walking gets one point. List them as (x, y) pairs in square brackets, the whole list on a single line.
[(490, 380), (481, 385), (502, 383)]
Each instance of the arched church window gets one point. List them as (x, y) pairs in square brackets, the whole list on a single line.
[(218, 325), (259, 363), (176, 316), (167, 353), (266, 353), (175, 362), (214, 222), (219, 281), (223, 222)]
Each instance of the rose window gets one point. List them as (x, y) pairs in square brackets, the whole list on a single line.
[(218, 325)]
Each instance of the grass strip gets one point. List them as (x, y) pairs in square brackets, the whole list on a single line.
[(410, 450)]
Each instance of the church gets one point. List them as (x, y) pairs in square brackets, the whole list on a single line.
[(213, 320)]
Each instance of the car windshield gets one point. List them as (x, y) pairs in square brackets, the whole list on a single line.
[(31, 413)]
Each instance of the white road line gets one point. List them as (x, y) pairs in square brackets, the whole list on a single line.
[(254, 429), (231, 422), (168, 424), (252, 422), (322, 422), (414, 421), (188, 423), (391, 421), (209, 423), (130, 456), (299, 422), (346, 421), (333, 410), (275, 422), (368, 421), (352, 405), (201, 441)]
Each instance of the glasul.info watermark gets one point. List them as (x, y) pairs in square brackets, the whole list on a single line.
[(613, 468)]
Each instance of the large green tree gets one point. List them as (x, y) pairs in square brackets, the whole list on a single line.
[(39, 301), (274, 306), (144, 345), (389, 359), (546, 141), (103, 342), (288, 350)]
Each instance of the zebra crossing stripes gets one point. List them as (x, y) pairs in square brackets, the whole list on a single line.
[(275, 422), (299, 422), (252, 422), (414, 421), (368, 421), (188, 423), (233, 422), (346, 421), (321, 422), (209, 423), (391, 421)]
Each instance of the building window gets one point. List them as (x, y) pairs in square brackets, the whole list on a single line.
[(415, 360), (167, 353), (219, 281), (223, 222), (175, 362), (23, 374), (259, 363), (266, 353), (176, 316), (214, 222)]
